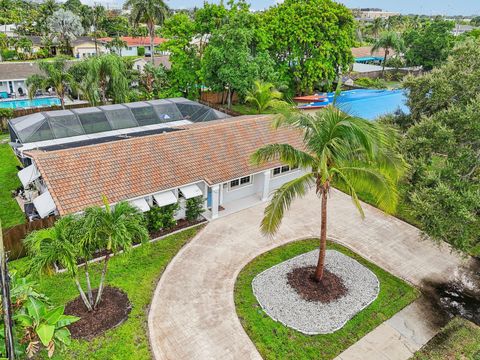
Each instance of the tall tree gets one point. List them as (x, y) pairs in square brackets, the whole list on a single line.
[(310, 40), (338, 149), (150, 12), (55, 76), (116, 45), (65, 27), (387, 42), (98, 13), (430, 44)]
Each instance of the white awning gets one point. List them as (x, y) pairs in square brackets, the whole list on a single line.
[(191, 191), (140, 204), (165, 198), (44, 204), (28, 175)]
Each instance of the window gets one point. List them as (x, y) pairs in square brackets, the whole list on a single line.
[(240, 182), (283, 169)]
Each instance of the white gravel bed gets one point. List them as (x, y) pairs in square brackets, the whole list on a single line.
[(281, 302)]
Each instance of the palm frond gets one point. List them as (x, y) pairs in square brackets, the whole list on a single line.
[(281, 201), (285, 153)]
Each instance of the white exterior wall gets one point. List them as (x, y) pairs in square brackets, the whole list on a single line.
[(279, 180), (130, 51), (4, 86), (254, 188)]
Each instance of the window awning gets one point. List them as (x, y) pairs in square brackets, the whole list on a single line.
[(28, 175), (44, 204), (140, 204), (165, 198), (191, 191)]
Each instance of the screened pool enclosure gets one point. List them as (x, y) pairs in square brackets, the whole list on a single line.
[(109, 119)]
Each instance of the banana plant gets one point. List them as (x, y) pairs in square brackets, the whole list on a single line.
[(43, 326)]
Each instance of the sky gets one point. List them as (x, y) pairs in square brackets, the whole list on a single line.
[(427, 7)]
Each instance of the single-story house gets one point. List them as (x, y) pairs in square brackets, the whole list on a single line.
[(208, 159), (134, 43), (163, 60), (13, 76), (84, 46)]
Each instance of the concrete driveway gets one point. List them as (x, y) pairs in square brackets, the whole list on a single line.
[(192, 314)]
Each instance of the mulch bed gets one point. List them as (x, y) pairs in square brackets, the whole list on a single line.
[(329, 289), (112, 311), (181, 224)]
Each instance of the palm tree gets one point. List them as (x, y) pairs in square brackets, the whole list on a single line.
[(150, 12), (59, 246), (98, 12), (56, 76), (377, 26), (65, 27), (114, 230), (116, 45), (339, 149), (109, 74), (264, 96), (388, 40)]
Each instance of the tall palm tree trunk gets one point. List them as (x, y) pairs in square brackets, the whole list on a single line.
[(323, 237), (151, 30), (102, 280), (82, 294), (384, 61)]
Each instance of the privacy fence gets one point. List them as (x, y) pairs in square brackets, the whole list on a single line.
[(13, 237)]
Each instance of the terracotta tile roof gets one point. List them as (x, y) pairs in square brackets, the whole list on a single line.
[(136, 41), (215, 152), (366, 51)]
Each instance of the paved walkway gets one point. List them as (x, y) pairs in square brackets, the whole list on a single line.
[(193, 316)]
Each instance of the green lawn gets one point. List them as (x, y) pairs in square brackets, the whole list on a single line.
[(137, 274), (10, 212), (275, 341), (459, 340)]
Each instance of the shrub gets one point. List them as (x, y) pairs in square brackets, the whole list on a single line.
[(9, 55), (371, 83), (141, 51), (161, 217), (194, 208)]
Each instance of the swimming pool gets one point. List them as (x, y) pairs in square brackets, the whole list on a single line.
[(21, 104), (369, 104)]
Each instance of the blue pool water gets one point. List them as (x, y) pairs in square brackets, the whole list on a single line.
[(20, 104), (370, 104)]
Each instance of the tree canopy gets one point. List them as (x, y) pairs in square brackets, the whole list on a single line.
[(310, 41)]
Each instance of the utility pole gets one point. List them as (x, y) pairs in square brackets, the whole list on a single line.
[(6, 304)]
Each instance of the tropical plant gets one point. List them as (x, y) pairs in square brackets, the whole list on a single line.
[(154, 79), (64, 27), (161, 217), (194, 208), (35, 322), (338, 149), (61, 246), (116, 45), (56, 76), (108, 75), (150, 12), (388, 41), (264, 96), (113, 229)]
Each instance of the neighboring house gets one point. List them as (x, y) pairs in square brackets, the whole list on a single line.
[(13, 76), (9, 29), (364, 55), (84, 46), (174, 163), (139, 64), (134, 43)]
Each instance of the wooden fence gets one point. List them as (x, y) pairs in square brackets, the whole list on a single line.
[(219, 108), (13, 237)]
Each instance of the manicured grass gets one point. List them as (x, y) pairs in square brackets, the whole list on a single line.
[(10, 212), (137, 274), (275, 341), (460, 339), (247, 109)]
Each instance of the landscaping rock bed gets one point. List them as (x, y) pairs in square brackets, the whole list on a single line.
[(285, 304), (112, 311)]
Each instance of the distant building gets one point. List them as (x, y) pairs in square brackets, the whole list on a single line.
[(134, 43), (373, 13), (462, 29), (8, 29)]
